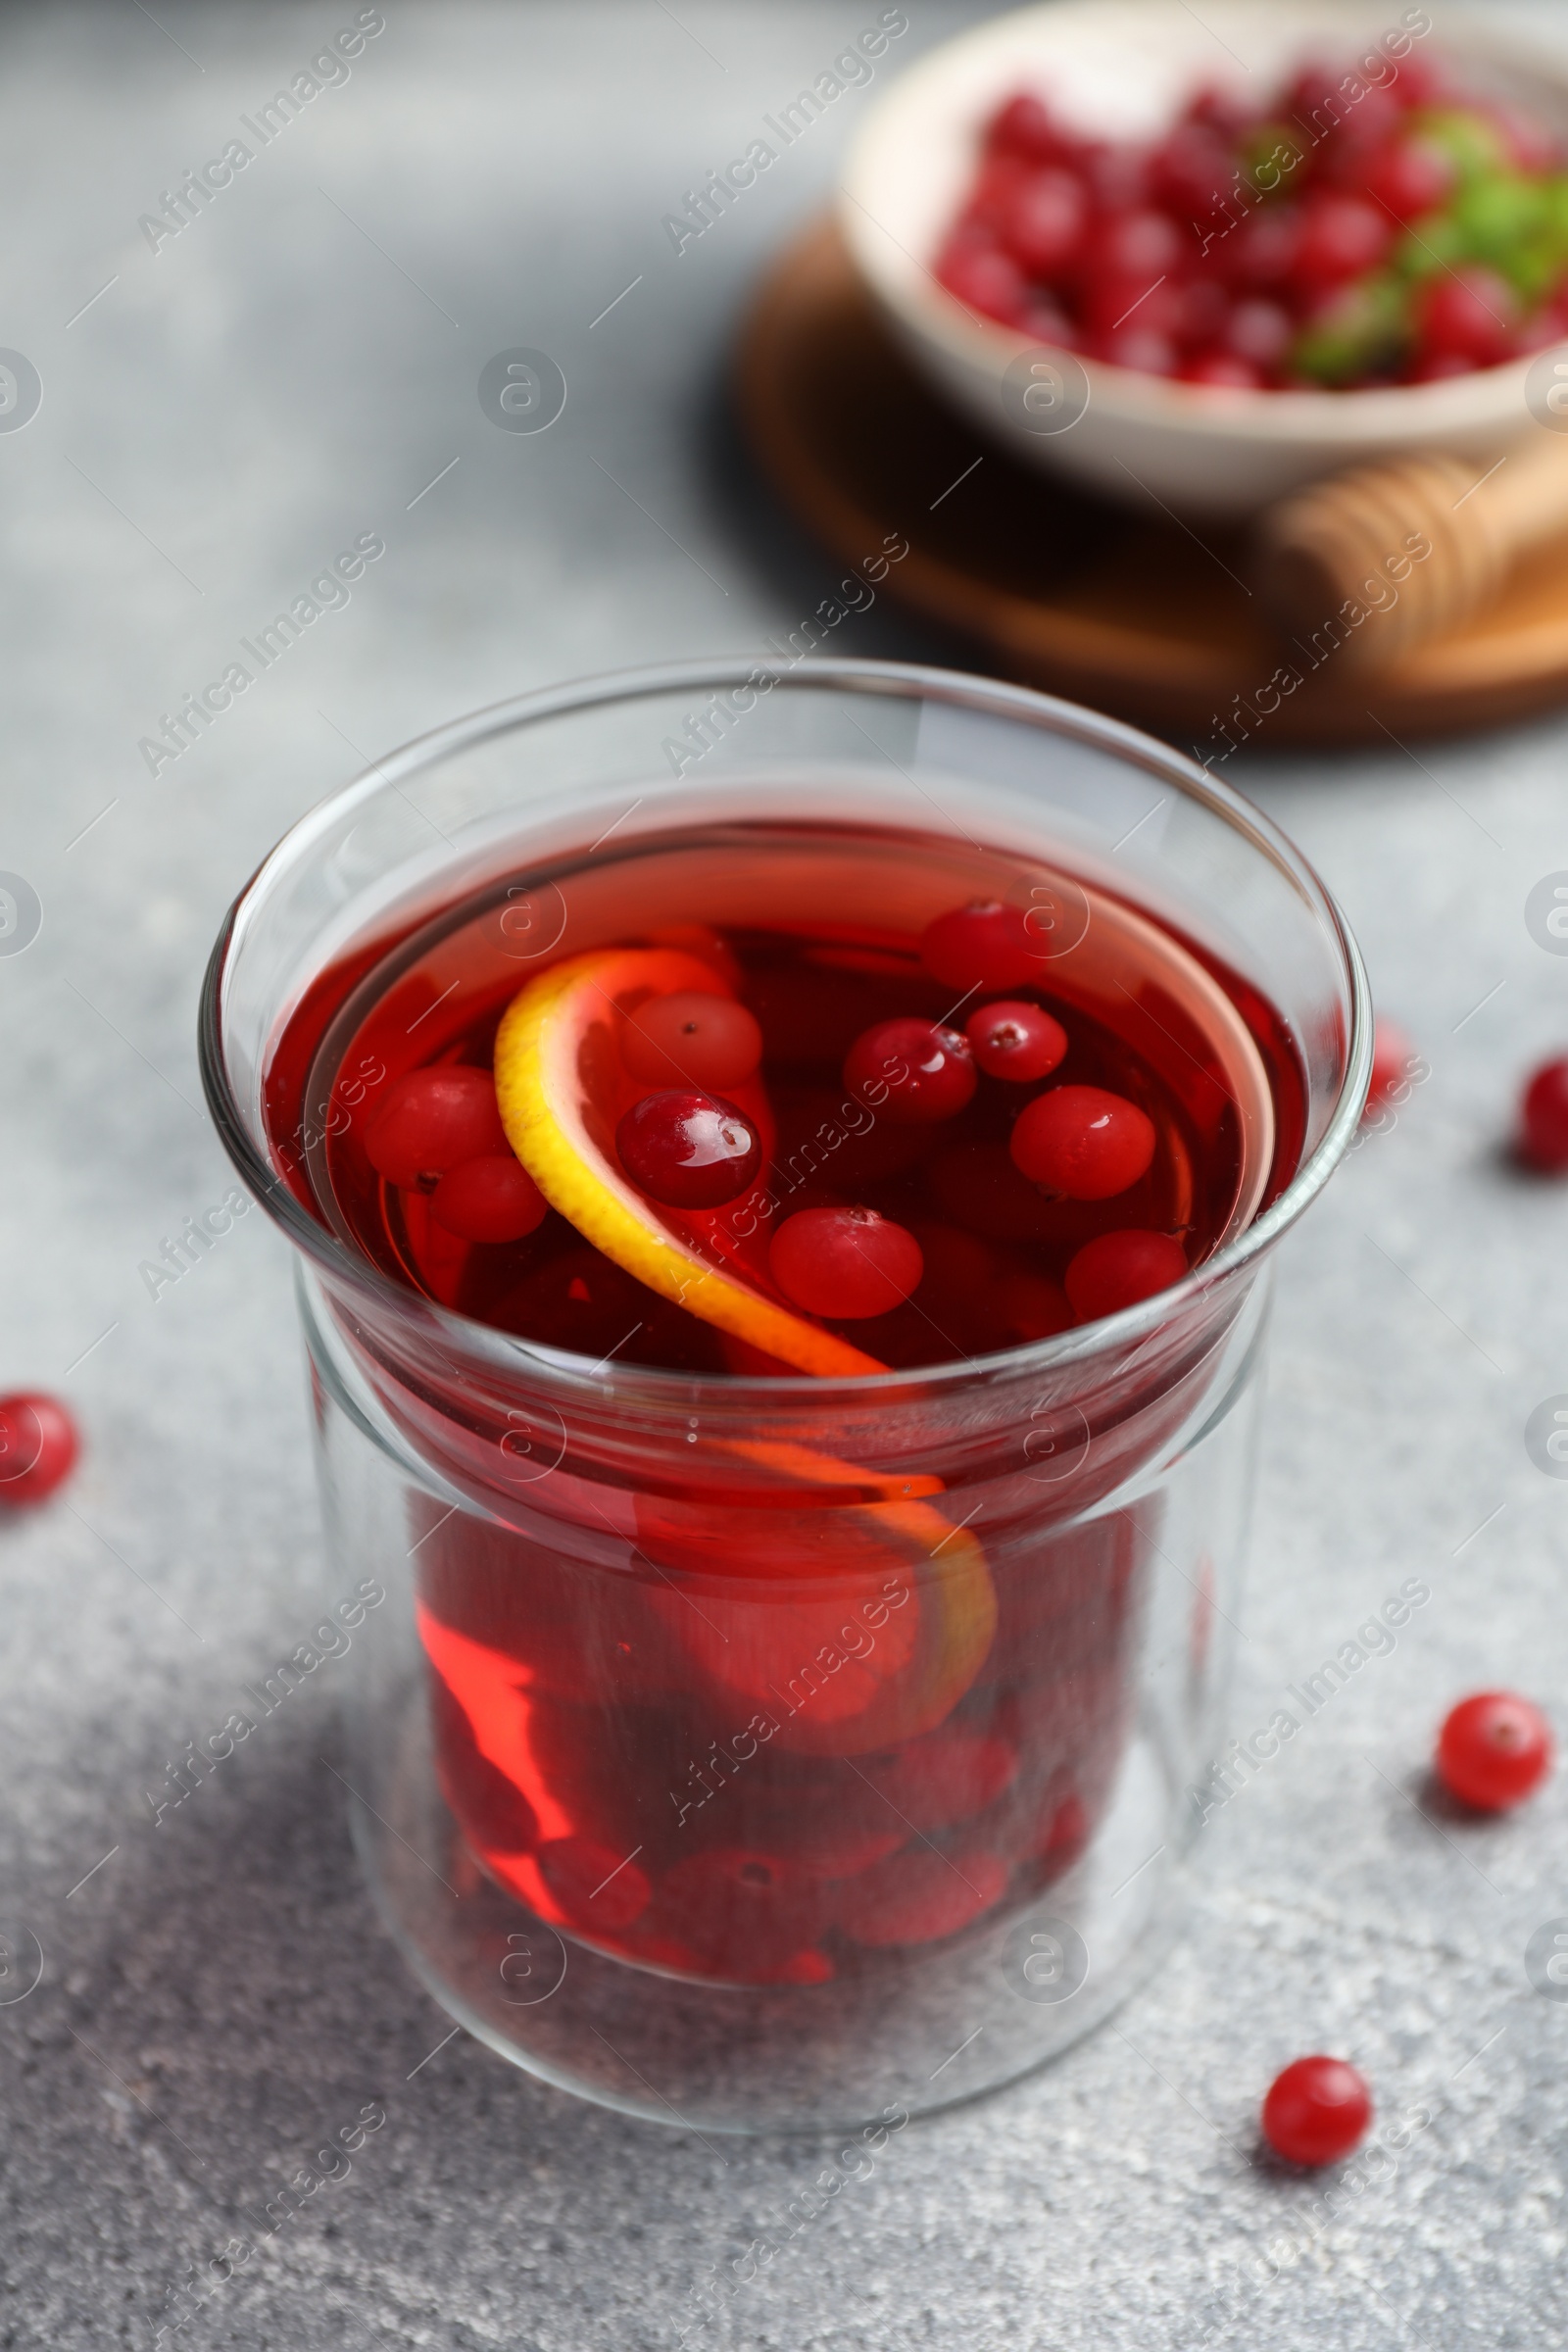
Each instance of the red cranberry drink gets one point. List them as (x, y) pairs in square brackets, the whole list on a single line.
[(853, 1129), (779, 1266)]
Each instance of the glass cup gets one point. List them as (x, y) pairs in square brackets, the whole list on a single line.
[(751, 1752)]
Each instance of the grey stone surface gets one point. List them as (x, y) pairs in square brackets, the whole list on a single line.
[(293, 369)]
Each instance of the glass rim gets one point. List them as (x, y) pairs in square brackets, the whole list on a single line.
[(507, 1352)]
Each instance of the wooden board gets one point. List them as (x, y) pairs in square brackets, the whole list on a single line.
[(1147, 621)]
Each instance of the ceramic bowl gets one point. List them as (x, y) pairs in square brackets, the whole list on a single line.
[(1124, 68)]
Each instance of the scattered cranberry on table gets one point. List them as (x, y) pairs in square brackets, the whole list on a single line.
[(844, 1263), (38, 1446), (1317, 2111), (688, 1149), (1543, 1119), (1304, 243), (1493, 1750)]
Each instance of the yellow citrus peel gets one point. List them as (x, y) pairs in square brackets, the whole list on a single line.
[(559, 1086)]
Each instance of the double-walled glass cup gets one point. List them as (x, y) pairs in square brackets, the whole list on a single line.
[(754, 1753)]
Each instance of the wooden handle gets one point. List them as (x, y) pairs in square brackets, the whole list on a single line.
[(1355, 542)]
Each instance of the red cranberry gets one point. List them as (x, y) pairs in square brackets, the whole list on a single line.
[(1317, 2111), (912, 1071), (1260, 251), (593, 1887), (1128, 304), (1046, 322), (1341, 237), (1222, 368), (1192, 172), (688, 1149), (1543, 1119), (1222, 112), (1259, 331), (1083, 1141), (38, 1445), (1118, 175), (844, 1263), (1492, 1751), (430, 1120), (985, 279), (1201, 313), (493, 1198), (1468, 313), (1015, 1041), (1024, 128), (1410, 177), (1393, 1059), (1029, 1307), (984, 945), (919, 1896), (691, 1040), (1043, 228), (1120, 1269), (1139, 246), (1140, 348)]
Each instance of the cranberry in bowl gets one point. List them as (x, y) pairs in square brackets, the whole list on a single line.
[(1207, 263)]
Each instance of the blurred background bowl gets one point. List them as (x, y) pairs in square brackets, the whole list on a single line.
[(1124, 70)]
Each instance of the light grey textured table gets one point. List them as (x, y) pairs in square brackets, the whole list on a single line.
[(298, 366)]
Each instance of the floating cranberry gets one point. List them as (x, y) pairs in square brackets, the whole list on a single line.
[(38, 1445), (1317, 2111), (430, 1120), (1116, 1270), (844, 1263), (919, 1896), (1543, 1119), (984, 945), (1015, 1041), (910, 1072), (492, 1198), (1083, 1141), (593, 1887), (688, 1149), (691, 1040), (1469, 314), (1492, 1751)]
